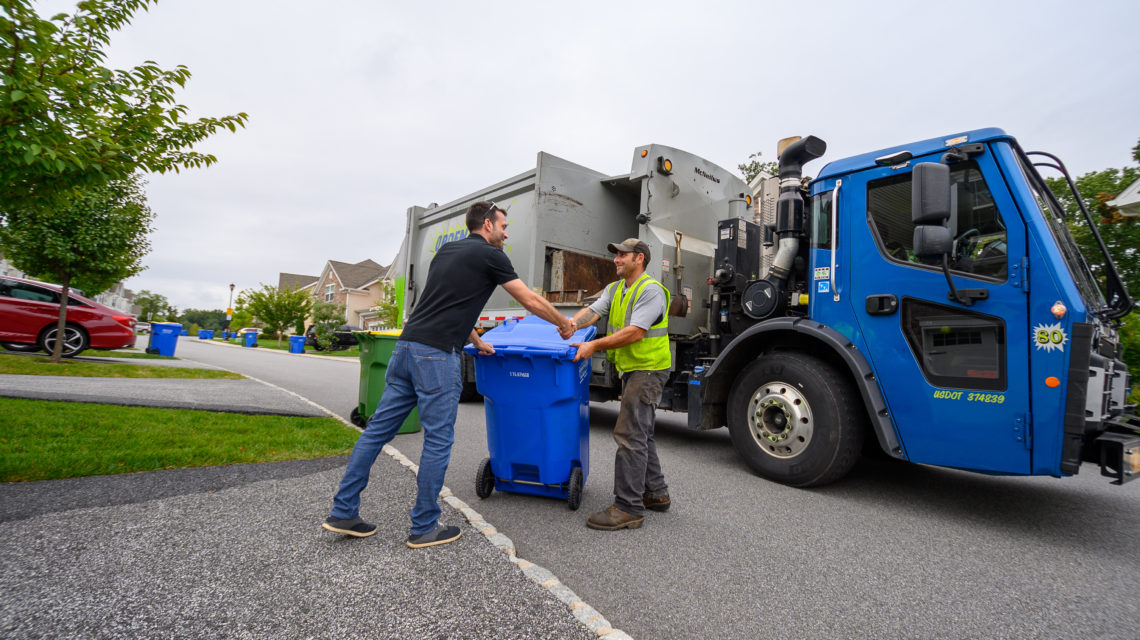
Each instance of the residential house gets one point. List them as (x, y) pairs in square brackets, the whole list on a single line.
[(119, 297), (295, 281), (359, 287), (1128, 202)]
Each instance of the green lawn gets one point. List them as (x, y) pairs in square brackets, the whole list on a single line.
[(42, 440), (40, 366)]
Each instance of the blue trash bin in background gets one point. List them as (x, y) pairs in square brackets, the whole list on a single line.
[(251, 339), (225, 334), (163, 338), (185, 332), (537, 405), (206, 334), (296, 344)]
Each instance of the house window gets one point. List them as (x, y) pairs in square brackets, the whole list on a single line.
[(329, 291)]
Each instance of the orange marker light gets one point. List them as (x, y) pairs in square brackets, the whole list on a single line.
[(644, 152), (1052, 382), (1058, 310)]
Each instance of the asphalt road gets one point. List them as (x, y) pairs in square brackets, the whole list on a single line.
[(892, 551)]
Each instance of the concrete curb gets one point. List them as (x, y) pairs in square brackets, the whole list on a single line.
[(584, 613)]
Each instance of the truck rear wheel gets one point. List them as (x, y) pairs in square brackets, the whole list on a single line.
[(795, 419)]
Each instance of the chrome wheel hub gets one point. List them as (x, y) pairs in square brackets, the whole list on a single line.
[(780, 420)]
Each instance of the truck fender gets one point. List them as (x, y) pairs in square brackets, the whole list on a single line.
[(809, 335)]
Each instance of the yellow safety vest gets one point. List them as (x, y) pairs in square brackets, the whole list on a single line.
[(651, 353)]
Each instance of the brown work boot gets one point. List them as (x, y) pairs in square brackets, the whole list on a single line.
[(612, 518), (656, 500)]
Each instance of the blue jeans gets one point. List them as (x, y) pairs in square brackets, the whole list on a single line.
[(417, 374)]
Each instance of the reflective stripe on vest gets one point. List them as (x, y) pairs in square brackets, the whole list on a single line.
[(651, 353)]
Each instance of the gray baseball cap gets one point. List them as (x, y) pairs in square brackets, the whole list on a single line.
[(629, 245)]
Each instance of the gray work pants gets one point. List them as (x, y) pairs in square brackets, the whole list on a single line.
[(636, 468)]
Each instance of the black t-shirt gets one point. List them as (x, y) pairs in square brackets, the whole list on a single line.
[(461, 278)]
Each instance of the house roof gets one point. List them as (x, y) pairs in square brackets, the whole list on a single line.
[(294, 281), (356, 276), (1129, 200)]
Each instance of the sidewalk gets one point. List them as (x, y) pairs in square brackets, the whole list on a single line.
[(233, 396)]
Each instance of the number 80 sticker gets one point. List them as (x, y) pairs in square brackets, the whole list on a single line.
[(1050, 337)]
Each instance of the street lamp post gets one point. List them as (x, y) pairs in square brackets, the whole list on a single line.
[(230, 307)]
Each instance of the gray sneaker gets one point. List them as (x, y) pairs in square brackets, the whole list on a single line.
[(441, 535), (349, 526)]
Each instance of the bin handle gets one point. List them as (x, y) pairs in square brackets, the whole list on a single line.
[(517, 350)]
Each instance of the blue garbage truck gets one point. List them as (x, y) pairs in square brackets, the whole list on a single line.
[(926, 301)]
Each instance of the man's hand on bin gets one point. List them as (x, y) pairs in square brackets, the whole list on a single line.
[(585, 350), (483, 346)]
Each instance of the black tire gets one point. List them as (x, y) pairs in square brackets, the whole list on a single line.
[(484, 480), (574, 498), (74, 340), (469, 393), (16, 346), (796, 420), (355, 418)]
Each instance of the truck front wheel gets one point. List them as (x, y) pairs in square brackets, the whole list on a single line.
[(795, 419)]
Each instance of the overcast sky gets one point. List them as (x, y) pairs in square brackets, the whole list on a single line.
[(358, 110)]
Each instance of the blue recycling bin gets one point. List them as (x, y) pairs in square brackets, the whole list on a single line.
[(206, 334), (225, 334), (250, 339), (163, 338), (185, 332), (537, 405), (296, 344)]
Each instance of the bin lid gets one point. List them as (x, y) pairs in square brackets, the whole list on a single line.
[(535, 334)]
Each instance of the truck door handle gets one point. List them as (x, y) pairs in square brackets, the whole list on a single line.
[(883, 304)]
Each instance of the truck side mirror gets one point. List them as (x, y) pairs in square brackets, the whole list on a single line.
[(930, 193), (932, 241), (930, 209)]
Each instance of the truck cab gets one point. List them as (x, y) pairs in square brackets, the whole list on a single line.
[(948, 299)]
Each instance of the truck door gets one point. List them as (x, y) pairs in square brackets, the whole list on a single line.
[(953, 375)]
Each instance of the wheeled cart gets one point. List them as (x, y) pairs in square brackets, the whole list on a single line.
[(537, 407)]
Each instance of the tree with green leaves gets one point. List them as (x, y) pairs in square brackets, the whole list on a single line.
[(242, 319), (326, 318), (755, 166), (388, 311), (209, 319), (1121, 236), (277, 309), (154, 306), (97, 237), (67, 121)]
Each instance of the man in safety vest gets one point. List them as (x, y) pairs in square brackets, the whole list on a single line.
[(637, 345)]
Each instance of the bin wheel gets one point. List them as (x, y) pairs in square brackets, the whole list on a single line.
[(355, 418), (484, 480), (574, 499)]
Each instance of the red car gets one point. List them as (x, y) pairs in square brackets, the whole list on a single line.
[(29, 313)]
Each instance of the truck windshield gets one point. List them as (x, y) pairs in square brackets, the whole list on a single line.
[(1091, 287)]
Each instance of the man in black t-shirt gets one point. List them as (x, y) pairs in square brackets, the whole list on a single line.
[(425, 370)]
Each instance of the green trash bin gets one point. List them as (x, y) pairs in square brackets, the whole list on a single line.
[(376, 349)]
